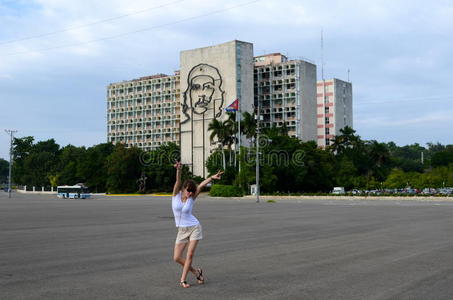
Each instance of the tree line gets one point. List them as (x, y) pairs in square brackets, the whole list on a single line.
[(290, 165), (286, 163)]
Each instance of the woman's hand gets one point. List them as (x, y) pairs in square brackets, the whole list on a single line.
[(178, 165), (217, 176)]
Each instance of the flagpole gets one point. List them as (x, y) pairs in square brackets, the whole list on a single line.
[(235, 143), (235, 106), (239, 133)]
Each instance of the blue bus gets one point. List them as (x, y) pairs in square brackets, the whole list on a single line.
[(72, 192)]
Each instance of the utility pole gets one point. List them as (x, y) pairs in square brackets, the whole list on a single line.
[(11, 133), (257, 162)]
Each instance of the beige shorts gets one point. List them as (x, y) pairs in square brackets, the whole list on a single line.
[(191, 233)]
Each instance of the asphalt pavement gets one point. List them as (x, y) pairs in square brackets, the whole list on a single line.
[(122, 247)]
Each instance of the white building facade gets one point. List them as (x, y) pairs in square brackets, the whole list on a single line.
[(211, 78), (144, 112)]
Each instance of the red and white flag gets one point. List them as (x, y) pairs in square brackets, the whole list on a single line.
[(234, 106)]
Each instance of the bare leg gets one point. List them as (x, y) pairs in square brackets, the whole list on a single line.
[(177, 256), (189, 258)]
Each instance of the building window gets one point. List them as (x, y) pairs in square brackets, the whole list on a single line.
[(327, 142), (326, 120), (327, 131), (326, 110)]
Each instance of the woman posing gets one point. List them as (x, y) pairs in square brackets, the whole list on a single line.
[(189, 228)]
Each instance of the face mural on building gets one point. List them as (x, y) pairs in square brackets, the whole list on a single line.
[(204, 92)]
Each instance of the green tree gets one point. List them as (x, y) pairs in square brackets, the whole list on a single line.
[(21, 149), (231, 127), (214, 164), (345, 141), (317, 173), (69, 161), (246, 176), (379, 160), (159, 168), (34, 162), (407, 158), (438, 177), (93, 168), (53, 180), (346, 174), (286, 165), (442, 158), (220, 131), (39, 166), (4, 170), (434, 148), (399, 179), (248, 125), (124, 169)]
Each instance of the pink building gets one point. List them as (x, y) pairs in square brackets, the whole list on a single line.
[(334, 109)]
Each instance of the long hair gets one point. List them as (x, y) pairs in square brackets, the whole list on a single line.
[(190, 185)]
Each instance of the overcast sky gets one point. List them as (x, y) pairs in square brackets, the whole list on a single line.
[(58, 56)]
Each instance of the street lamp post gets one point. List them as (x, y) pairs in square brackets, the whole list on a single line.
[(257, 162), (10, 132)]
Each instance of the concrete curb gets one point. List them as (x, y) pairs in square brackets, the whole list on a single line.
[(368, 198)]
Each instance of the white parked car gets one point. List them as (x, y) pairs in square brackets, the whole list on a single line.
[(338, 190)]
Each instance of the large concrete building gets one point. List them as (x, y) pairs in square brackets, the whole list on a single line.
[(212, 78), (149, 111), (334, 109), (144, 112), (285, 91)]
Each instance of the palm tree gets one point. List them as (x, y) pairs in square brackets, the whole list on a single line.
[(347, 139), (379, 156), (379, 153), (231, 128), (248, 125), (219, 131)]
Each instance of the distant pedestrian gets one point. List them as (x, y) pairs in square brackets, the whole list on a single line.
[(189, 228)]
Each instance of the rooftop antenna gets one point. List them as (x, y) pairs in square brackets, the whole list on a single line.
[(322, 55), (326, 143), (348, 75)]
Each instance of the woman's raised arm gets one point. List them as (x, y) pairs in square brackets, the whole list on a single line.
[(177, 185), (205, 182)]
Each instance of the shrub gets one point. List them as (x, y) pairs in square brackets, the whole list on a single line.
[(220, 190)]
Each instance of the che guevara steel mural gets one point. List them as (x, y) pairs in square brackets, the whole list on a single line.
[(204, 86), (204, 95)]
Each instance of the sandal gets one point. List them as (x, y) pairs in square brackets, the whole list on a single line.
[(184, 284), (200, 278)]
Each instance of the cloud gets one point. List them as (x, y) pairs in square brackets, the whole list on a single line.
[(439, 118), (6, 76)]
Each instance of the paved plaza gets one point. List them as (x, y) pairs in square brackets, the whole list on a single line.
[(121, 248)]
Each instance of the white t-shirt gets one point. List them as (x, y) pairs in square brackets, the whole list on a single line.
[(183, 211)]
